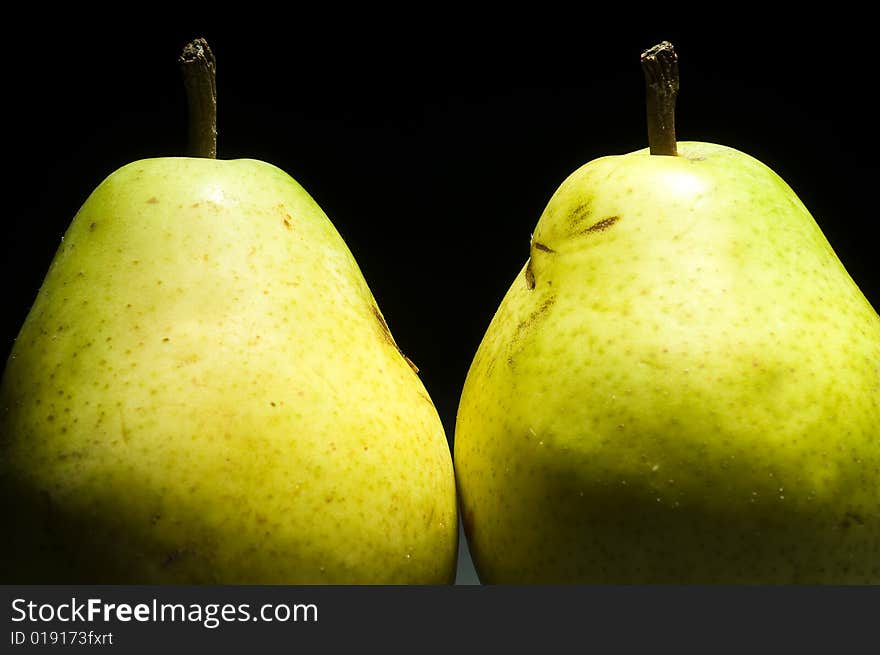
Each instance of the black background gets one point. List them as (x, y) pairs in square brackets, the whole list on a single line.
[(432, 137)]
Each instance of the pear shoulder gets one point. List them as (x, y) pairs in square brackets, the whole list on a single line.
[(705, 179), (712, 160), (198, 199), (189, 174)]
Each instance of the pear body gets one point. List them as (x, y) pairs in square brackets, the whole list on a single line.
[(682, 385), (205, 391)]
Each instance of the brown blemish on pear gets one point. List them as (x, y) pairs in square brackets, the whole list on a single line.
[(602, 225), (386, 333), (530, 275)]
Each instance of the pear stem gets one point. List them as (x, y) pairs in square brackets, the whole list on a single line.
[(200, 78), (660, 65)]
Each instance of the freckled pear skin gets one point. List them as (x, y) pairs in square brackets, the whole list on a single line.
[(690, 392), (206, 392)]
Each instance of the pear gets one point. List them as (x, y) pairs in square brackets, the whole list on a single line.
[(682, 385), (205, 391)]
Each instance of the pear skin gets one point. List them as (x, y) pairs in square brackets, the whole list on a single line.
[(682, 385), (205, 391)]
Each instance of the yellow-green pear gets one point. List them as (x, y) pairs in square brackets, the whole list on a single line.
[(205, 391), (682, 385)]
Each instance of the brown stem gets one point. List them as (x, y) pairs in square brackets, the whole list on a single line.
[(200, 78), (660, 65)]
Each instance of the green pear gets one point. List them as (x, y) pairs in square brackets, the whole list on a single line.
[(682, 385), (205, 391)]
